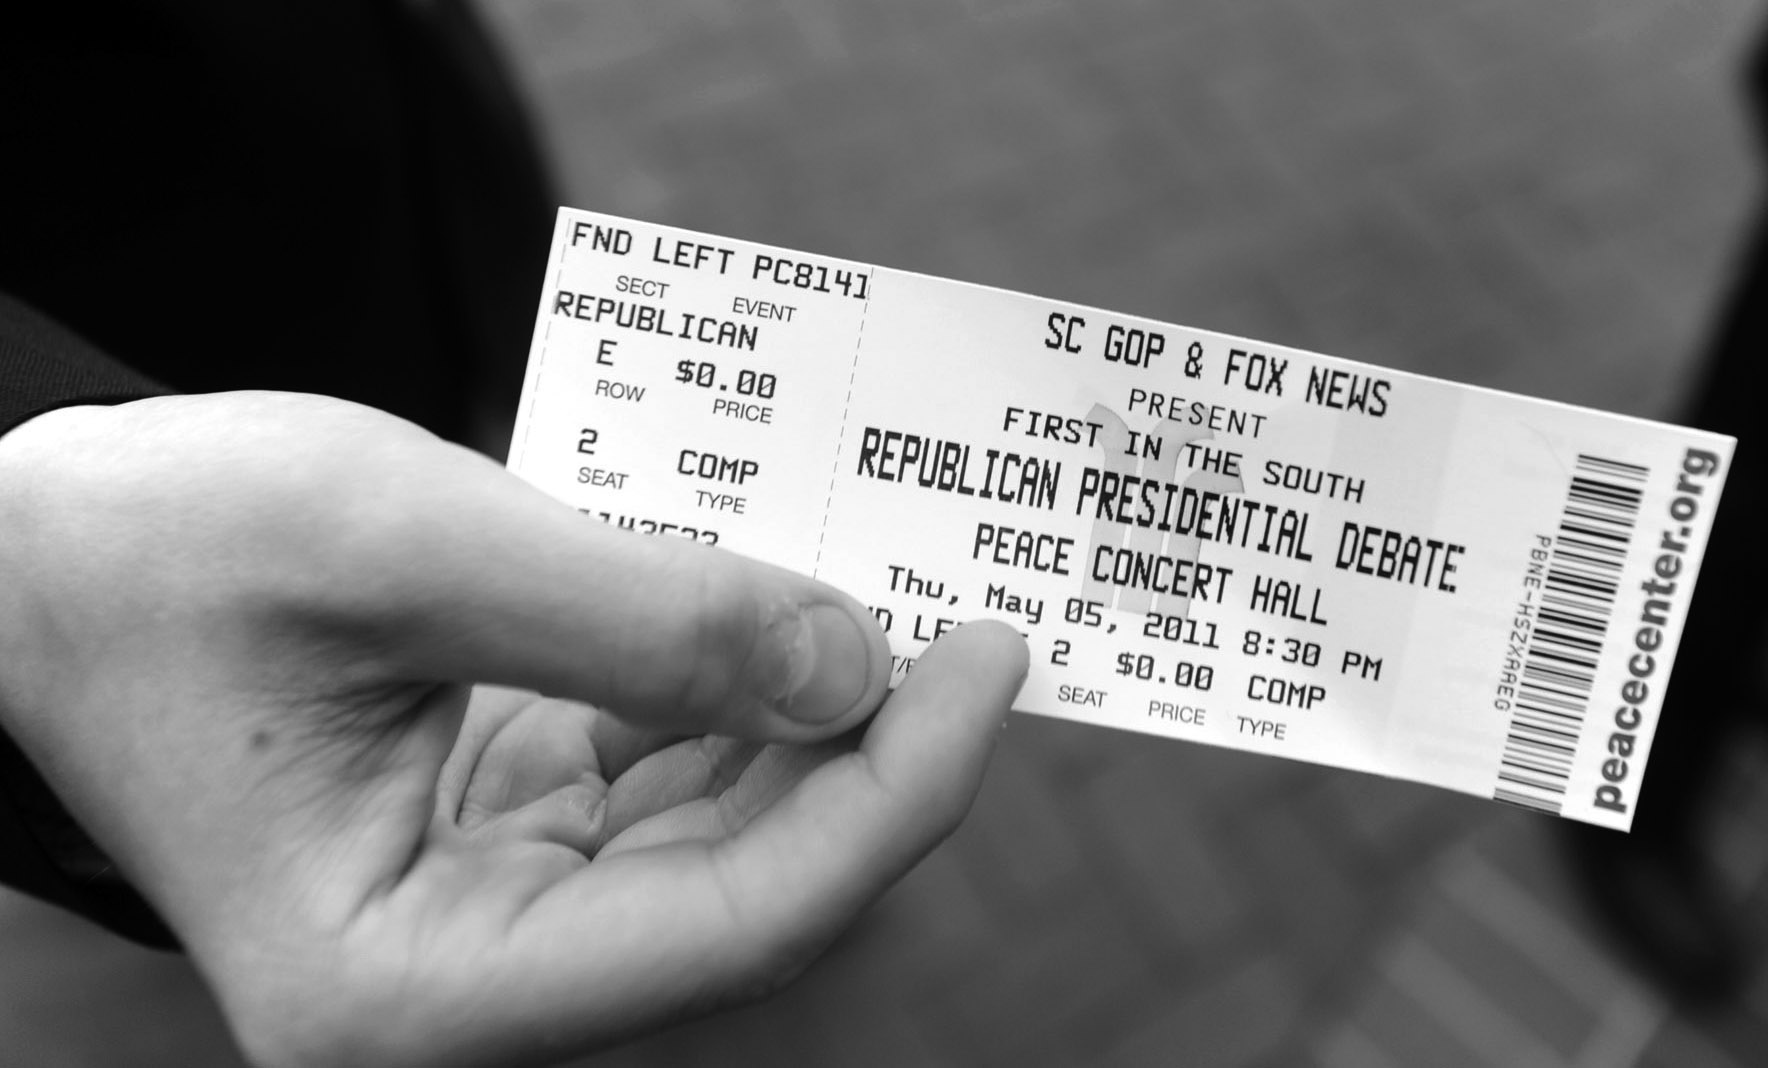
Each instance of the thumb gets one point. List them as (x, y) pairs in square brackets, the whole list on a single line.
[(518, 589)]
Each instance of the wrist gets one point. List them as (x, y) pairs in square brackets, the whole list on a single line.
[(46, 853), (37, 457), (44, 850)]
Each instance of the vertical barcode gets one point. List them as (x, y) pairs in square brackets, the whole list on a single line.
[(1559, 666)]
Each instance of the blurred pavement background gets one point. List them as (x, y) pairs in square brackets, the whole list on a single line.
[(1538, 197)]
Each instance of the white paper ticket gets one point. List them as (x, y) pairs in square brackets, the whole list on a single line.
[(1201, 536)]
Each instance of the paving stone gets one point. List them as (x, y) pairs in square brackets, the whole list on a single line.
[(1043, 995), (1163, 862), (1398, 822), (1023, 838), (1244, 1015), (1515, 984), (1314, 900), (938, 916), (1391, 1021), (1684, 1046)]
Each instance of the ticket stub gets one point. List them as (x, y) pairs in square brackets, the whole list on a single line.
[(1201, 536)]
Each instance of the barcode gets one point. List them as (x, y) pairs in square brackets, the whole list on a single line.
[(1577, 600)]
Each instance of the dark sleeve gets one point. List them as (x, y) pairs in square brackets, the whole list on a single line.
[(43, 850), (43, 366)]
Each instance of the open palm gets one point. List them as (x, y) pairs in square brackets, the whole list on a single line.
[(283, 657)]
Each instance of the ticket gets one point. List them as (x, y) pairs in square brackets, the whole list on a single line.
[(1201, 536)]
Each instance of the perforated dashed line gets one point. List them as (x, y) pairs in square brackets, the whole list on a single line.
[(540, 368), (835, 468)]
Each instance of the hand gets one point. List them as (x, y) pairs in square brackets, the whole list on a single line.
[(258, 643)]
